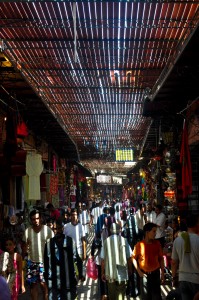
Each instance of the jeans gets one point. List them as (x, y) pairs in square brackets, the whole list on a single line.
[(101, 284), (188, 289), (133, 284), (150, 286)]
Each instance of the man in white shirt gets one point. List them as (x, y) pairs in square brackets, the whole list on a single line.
[(116, 263), (150, 213), (84, 219), (118, 209), (96, 212), (75, 230), (35, 237), (185, 259), (160, 222), (140, 218)]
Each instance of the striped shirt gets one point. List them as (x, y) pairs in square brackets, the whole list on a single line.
[(115, 253), (36, 242)]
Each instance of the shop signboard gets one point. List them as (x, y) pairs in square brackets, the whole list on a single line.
[(124, 155)]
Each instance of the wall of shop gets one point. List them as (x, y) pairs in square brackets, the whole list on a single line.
[(33, 174)]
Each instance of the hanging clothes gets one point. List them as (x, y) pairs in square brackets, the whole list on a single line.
[(53, 184), (54, 163), (34, 168), (62, 177), (25, 181)]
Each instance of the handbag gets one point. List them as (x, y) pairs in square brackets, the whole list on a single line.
[(91, 269)]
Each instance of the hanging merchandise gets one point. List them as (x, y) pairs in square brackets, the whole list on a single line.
[(13, 219), (34, 168), (22, 129), (53, 184), (73, 185), (55, 200), (73, 190), (61, 195), (61, 177), (54, 163)]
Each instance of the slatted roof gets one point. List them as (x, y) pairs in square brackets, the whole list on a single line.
[(93, 63)]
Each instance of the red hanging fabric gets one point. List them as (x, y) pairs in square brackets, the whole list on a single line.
[(22, 129)]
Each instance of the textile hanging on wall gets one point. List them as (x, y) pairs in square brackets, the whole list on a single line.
[(55, 200), (53, 184), (54, 163), (62, 177), (61, 193), (34, 168), (25, 181)]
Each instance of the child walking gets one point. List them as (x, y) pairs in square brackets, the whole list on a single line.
[(10, 245)]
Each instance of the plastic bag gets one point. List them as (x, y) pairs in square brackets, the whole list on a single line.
[(91, 269)]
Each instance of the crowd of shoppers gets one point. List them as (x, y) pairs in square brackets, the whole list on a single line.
[(128, 247)]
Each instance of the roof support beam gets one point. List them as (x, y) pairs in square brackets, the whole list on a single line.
[(149, 70), (98, 114), (90, 87), (124, 1), (98, 40), (89, 102), (100, 47)]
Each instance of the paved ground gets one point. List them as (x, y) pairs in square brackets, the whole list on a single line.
[(89, 288)]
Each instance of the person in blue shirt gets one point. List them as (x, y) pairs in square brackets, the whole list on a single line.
[(101, 221)]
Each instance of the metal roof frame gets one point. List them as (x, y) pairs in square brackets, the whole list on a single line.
[(94, 63)]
